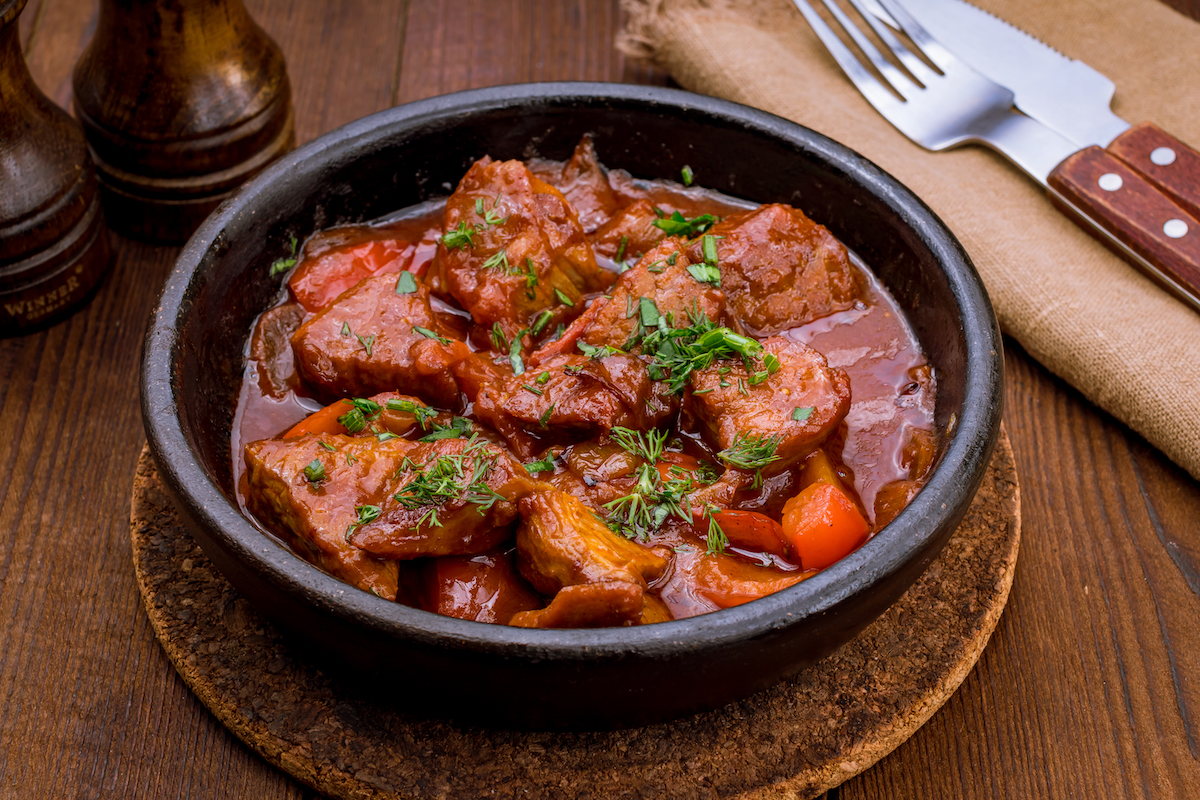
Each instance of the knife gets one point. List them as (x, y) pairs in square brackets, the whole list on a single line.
[(1063, 94)]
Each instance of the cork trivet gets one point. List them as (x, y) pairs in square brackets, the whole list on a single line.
[(793, 741)]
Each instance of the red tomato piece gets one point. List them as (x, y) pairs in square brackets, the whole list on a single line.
[(822, 525), (484, 588), (323, 421), (318, 281), (670, 464), (751, 530)]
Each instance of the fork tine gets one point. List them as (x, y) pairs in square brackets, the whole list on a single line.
[(913, 64), (875, 92), (931, 47), (899, 81)]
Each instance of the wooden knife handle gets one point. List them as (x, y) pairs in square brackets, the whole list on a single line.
[(1122, 202), (1163, 160)]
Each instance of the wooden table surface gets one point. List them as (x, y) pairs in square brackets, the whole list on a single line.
[(1091, 684)]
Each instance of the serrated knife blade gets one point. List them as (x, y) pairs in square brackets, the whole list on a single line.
[(1059, 92), (1063, 94)]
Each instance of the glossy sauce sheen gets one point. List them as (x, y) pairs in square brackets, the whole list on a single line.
[(887, 429)]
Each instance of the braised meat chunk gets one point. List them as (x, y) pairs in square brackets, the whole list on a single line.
[(584, 183), (780, 269), (769, 417), (562, 544), (660, 285), (512, 248), (629, 234), (376, 337), (446, 497), (312, 491), (571, 395)]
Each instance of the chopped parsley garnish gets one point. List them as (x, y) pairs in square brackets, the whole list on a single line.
[(422, 413), (428, 334), (648, 312), (751, 450), (514, 357), (449, 478), (539, 325), (457, 429), (531, 280), (315, 471), (492, 216), (499, 340), (648, 445), (648, 506), (678, 352), (544, 465), (562, 298), (717, 541), (705, 273), (597, 352), (688, 175), (406, 283), (367, 342), (679, 225), (460, 237), (498, 260), (282, 265), (362, 411), (802, 414), (770, 367), (365, 514)]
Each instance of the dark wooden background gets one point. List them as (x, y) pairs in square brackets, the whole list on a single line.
[(1090, 687)]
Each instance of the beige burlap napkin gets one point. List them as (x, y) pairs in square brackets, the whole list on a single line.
[(1088, 316)]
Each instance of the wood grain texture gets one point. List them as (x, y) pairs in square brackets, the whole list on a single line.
[(1179, 178), (1130, 208), (1087, 679), (1082, 692)]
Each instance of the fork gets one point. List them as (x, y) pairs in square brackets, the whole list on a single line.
[(956, 105)]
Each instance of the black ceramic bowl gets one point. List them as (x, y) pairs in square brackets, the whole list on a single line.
[(495, 674)]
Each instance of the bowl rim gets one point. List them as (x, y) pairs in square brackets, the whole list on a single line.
[(963, 460)]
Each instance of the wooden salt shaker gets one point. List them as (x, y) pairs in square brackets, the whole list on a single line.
[(53, 244), (181, 101)]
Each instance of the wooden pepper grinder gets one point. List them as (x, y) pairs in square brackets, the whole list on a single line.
[(181, 101), (53, 244)]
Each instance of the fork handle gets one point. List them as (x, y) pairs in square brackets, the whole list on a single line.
[(1163, 160), (1155, 233)]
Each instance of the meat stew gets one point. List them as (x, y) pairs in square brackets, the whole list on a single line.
[(570, 398)]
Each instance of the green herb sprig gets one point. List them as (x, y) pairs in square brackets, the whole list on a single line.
[(679, 225), (449, 478), (282, 265)]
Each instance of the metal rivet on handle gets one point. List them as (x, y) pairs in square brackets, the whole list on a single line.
[(1175, 228), (1163, 156), (1110, 181)]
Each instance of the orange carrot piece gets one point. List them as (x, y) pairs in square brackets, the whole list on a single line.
[(323, 421), (822, 525)]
